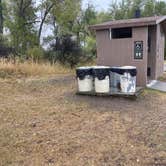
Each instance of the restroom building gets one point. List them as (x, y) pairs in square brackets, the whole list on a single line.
[(136, 42)]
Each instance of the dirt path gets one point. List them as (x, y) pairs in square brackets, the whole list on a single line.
[(45, 123)]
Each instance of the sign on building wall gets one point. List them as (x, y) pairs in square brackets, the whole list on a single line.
[(138, 50)]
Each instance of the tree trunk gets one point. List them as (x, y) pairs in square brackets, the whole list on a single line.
[(1, 18), (43, 20)]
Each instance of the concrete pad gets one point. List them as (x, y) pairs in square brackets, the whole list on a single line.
[(157, 85)]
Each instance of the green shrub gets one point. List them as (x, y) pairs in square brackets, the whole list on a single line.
[(67, 51), (90, 46), (35, 54), (51, 56)]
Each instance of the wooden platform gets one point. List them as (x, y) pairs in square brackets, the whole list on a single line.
[(115, 93)]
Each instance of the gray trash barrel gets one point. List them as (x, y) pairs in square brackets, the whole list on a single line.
[(128, 79), (115, 74)]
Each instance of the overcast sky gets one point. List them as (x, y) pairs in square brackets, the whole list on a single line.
[(98, 4)]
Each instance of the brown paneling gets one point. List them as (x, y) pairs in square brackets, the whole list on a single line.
[(120, 52), (152, 52), (160, 45)]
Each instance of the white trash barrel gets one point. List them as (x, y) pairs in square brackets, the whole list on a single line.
[(85, 79), (101, 79), (128, 79)]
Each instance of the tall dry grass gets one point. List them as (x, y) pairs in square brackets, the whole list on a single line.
[(25, 69)]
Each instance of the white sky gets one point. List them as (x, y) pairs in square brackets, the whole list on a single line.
[(98, 4)]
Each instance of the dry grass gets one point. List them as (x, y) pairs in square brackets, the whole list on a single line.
[(163, 78), (45, 123), (10, 69)]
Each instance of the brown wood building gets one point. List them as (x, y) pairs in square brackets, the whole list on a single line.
[(136, 42)]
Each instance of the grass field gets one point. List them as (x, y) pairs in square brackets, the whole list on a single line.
[(28, 69), (43, 122)]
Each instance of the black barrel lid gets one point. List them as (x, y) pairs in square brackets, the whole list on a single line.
[(125, 69), (101, 72), (81, 72)]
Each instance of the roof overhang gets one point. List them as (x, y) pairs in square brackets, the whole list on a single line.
[(161, 20), (101, 27), (146, 21)]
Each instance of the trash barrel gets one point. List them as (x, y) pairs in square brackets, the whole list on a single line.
[(85, 79), (128, 79), (101, 76), (115, 74)]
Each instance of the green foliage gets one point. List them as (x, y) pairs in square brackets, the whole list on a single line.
[(74, 22), (35, 54), (90, 46), (3, 40), (51, 56), (24, 20), (1, 17), (149, 9), (21, 24), (89, 15), (103, 17), (126, 8), (66, 12), (160, 8), (68, 51)]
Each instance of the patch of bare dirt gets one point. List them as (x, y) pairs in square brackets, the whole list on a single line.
[(45, 123)]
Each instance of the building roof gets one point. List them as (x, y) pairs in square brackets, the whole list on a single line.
[(135, 22)]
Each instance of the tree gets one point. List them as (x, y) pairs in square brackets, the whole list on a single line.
[(89, 18), (21, 21), (103, 17), (160, 8), (126, 8), (149, 8), (67, 50), (45, 8), (65, 13), (1, 17), (65, 16)]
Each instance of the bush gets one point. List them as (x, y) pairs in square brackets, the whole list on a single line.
[(51, 56), (35, 53), (5, 49), (90, 47), (67, 50)]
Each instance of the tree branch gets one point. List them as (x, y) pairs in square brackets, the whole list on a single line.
[(43, 20)]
